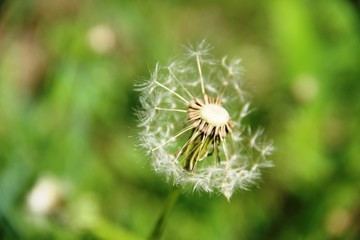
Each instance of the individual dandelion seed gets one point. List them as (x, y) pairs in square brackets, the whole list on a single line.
[(191, 120)]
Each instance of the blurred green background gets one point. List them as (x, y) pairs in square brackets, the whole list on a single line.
[(69, 168)]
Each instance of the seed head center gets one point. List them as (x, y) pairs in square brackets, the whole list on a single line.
[(214, 114)]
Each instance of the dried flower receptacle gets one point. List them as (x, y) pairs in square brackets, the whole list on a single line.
[(211, 123)]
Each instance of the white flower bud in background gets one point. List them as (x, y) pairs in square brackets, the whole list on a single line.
[(305, 88), (192, 124), (46, 196), (101, 39), (338, 222)]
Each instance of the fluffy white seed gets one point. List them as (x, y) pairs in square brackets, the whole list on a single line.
[(165, 119)]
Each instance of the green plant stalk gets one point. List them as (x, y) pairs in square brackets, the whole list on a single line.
[(160, 224)]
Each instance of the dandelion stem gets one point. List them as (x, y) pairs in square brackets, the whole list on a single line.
[(172, 91), (162, 220)]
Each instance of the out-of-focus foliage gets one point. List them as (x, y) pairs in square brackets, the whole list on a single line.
[(69, 168)]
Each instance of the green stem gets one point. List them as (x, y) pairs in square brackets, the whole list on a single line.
[(160, 225)]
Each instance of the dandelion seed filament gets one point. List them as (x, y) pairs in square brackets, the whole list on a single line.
[(174, 76), (172, 138), (170, 109), (171, 91), (200, 74)]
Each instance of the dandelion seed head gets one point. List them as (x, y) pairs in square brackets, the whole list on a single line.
[(191, 121)]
